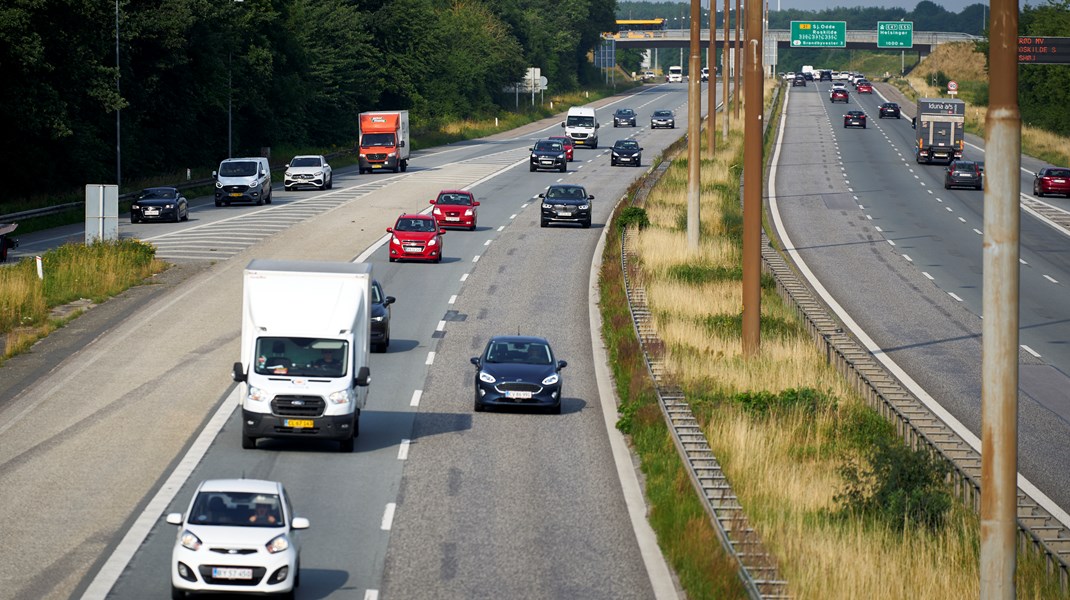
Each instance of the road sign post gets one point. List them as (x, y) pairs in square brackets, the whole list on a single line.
[(819, 34), (895, 34), (952, 88)]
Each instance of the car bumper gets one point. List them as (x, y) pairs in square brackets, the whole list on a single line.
[(548, 165), (264, 425), (1055, 189), (268, 576), (254, 195), (552, 216), (458, 221), (163, 214), (624, 122), (488, 396), (626, 160), (657, 124), (295, 182), (427, 253), (390, 162)]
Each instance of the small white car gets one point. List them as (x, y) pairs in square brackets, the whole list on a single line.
[(238, 536), (309, 171), (839, 85)]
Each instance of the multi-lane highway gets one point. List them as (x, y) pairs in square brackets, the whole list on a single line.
[(435, 501), (902, 256)]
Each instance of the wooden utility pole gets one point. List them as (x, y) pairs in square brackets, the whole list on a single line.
[(694, 123), (725, 72), (711, 85), (739, 59), (752, 182)]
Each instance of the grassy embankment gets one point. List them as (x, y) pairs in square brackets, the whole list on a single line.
[(848, 510), (961, 63)]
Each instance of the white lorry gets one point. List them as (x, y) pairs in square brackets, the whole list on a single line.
[(304, 350), (581, 126)]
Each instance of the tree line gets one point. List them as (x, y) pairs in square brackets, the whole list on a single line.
[(290, 72)]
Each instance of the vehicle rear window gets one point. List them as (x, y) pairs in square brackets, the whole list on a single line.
[(1059, 173)]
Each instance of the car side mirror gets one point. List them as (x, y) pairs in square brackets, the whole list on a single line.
[(287, 165), (562, 124), (239, 372), (590, 197), (640, 149), (475, 360), (174, 518), (532, 149), (432, 201), (597, 125), (542, 195), (215, 175), (363, 378), (390, 230), (561, 364), (475, 203), (441, 231), (389, 300), (300, 523)]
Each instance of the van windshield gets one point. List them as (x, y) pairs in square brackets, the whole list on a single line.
[(243, 168), (377, 139), (579, 121), (310, 357)]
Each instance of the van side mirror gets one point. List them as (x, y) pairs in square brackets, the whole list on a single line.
[(597, 125), (215, 175), (239, 372), (363, 378), (401, 144), (562, 123)]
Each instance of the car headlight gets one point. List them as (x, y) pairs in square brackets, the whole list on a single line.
[(617, 155), (468, 212), (552, 379), (547, 206), (258, 395), (133, 207), (339, 397), (437, 211), (253, 182), (169, 206), (318, 174), (279, 543), (189, 541), (432, 242), (218, 185), (585, 206), (562, 155), (394, 240), (379, 319), (486, 377), (392, 155)]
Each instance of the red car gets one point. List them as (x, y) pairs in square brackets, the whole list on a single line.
[(416, 237), (839, 96), (567, 142), (1052, 180), (864, 88), (455, 208)]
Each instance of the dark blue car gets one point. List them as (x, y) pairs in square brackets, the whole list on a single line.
[(518, 371)]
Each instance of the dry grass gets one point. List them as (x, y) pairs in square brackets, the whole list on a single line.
[(663, 248), (957, 60)]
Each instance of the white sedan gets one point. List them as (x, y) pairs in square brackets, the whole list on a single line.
[(309, 171), (238, 536)]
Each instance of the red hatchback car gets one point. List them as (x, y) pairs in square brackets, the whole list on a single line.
[(567, 142), (864, 88), (1052, 180), (416, 237), (455, 208)]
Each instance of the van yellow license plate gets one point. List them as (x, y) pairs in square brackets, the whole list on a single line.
[(235, 194), (300, 423)]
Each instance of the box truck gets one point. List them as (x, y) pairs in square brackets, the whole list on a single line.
[(384, 141), (939, 126), (304, 369)]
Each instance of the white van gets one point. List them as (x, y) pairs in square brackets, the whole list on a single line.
[(243, 180), (581, 126), (676, 75)]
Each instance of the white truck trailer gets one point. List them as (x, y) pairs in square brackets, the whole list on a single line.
[(304, 369)]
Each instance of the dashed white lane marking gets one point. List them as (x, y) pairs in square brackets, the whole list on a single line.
[(878, 229), (978, 232), (949, 209), (371, 595), (475, 258), (952, 294), (452, 299), (1050, 278), (1022, 261), (1030, 350), (416, 397), (892, 242), (388, 516), (441, 326), (501, 228), (487, 243), (430, 358), (403, 450), (907, 257), (930, 277), (514, 216), (870, 217), (463, 277), (962, 219)]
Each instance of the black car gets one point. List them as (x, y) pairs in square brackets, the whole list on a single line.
[(663, 118), (566, 203), (890, 109), (963, 173), (826, 75), (624, 117), (380, 329), (854, 118), (800, 80), (626, 152), (549, 154), (159, 204), (518, 371)]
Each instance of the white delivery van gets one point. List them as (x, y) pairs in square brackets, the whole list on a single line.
[(581, 126), (676, 74), (305, 341), (243, 180)]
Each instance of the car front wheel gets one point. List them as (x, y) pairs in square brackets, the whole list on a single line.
[(248, 443), (177, 594)]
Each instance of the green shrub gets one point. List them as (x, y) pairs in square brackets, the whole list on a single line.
[(762, 402), (633, 215)]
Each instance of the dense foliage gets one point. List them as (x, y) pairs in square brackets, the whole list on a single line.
[(296, 72)]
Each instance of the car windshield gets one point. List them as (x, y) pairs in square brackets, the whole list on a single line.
[(158, 193), (244, 168), (662, 113), (236, 509), (456, 199), (627, 145), (579, 121), (625, 112), (530, 353), (1058, 172), (548, 146), (310, 357), (415, 224), (305, 161), (377, 139), (566, 193)]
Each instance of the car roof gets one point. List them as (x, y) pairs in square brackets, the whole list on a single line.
[(560, 138), (856, 113), (564, 186), (414, 216), (161, 188), (252, 486), (465, 192), (520, 339), (309, 156)]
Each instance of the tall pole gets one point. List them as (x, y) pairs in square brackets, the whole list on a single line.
[(230, 104), (725, 72), (999, 304), (752, 183), (694, 123), (711, 85), (738, 56), (118, 109)]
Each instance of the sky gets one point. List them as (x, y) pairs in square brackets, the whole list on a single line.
[(949, 5)]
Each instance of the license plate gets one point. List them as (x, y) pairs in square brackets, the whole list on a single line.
[(564, 214), (965, 174), (518, 395), (300, 423), (1058, 181), (377, 166), (413, 250), (151, 212), (453, 218), (547, 162), (231, 573), (235, 194)]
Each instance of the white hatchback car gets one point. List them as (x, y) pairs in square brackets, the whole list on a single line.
[(311, 171), (238, 536)]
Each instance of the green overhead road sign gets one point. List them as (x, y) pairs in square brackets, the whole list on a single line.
[(819, 34), (895, 34)]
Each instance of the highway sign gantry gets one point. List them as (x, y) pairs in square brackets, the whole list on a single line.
[(895, 34), (819, 34)]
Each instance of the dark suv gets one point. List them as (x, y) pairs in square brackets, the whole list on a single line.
[(963, 173), (624, 117), (549, 154), (890, 109), (566, 203)]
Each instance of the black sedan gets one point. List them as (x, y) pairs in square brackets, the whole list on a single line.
[(663, 118), (548, 154), (626, 152), (890, 109), (963, 173), (624, 117), (159, 204), (518, 371), (380, 329), (799, 81), (566, 203), (854, 118)]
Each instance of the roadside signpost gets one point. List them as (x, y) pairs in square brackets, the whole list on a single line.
[(819, 34), (895, 34), (1043, 50), (952, 88)]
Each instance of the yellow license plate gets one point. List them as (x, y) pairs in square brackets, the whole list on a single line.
[(300, 423), (235, 194)]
